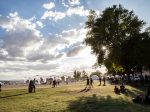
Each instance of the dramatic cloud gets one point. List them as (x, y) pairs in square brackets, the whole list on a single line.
[(26, 50), (74, 51), (23, 40), (49, 5)]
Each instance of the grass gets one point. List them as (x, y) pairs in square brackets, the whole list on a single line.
[(70, 98)]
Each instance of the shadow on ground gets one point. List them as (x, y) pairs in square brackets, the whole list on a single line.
[(105, 104), (14, 95)]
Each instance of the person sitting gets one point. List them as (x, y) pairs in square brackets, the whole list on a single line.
[(148, 91), (116, 90), (138, 99), (122, 88)]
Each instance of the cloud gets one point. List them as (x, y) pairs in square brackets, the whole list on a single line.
[(74, 35), (40, 24), (49, 5), (74, 2), (69, 33), (24, 49), (24, 42), (57, 15), (64, 4), (43, 56), (77, 11), (74, 51), (53, 15), (42, 67)]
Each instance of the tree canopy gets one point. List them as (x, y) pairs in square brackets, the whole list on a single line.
[(118, 40)]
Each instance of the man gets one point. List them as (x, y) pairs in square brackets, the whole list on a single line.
[(54, 83), (0, 87), (122, 88), (30, 88), (87, 83), (104, 79), (33, 84), (91, 82), (100, 80)]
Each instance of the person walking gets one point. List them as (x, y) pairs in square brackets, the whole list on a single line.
[(91, 82), (87, 83), (104, 80), (100, 80)]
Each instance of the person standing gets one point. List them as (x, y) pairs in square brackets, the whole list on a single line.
[(146, 79), (30, 88), (0, 87), (33, 84), (87, 83), (91, 82), (100, 80), (104, 79), (54, 83)]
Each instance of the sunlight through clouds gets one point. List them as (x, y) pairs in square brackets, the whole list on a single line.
[(47, 37)]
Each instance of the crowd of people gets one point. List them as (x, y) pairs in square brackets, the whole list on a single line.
[(55, 83), (132, 78), (89, 84)]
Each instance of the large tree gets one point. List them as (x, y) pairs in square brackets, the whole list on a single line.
[(116, 38)]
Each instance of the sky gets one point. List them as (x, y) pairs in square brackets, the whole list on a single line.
[(45, 37)]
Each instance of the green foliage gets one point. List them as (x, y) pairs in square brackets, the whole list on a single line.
[(77, 75), (119, 30), (117, 68)]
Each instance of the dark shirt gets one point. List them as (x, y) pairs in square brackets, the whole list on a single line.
[(87, 81)]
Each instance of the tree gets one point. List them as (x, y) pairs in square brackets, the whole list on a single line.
[(78, 75), (75, 75), (115, 29), (136, 53), (83, 75), (62, 78), (41, 80)]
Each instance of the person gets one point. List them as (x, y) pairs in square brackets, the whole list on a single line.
[(87, 82), (54, 82), (30, 88), (146, 79), (122, 88), (91, 82), (67, 81), (33, 84), (58, 82), (100, 80), (139, 99), (104, 79), (0, 87), (116, 90), (148, 91), (147, 97)]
